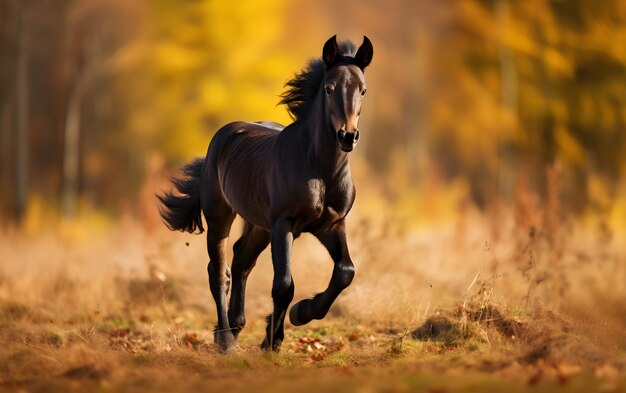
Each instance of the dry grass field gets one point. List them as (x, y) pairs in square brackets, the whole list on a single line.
[(488, 232), (467, 304)]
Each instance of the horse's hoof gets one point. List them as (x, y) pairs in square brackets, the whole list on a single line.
[(293, 315), (225, 342), (229, 350), (265, 345), (226, 349)]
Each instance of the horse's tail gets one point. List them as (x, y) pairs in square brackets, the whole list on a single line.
[(183, 213)]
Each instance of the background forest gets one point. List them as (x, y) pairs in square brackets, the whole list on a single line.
[(488, 232), (487, 97)]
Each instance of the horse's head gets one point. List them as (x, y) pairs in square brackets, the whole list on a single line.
[(343, 90)]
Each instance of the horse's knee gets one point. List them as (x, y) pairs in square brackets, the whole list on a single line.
[(343, 273), (283, 289)]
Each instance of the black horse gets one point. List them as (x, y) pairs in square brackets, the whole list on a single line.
[(282, 181)]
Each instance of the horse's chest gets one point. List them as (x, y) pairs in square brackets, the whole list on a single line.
[(330, 204), (337, 205)]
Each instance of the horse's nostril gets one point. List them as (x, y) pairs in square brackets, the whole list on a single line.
[(356, 135), (341, 134)]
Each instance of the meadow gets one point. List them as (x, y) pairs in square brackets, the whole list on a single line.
[(473, 303)]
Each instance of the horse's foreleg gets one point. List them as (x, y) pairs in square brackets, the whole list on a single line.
[(335, 242), (282, 286), (245, 253)]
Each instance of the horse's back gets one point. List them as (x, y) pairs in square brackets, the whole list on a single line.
[(240, 155)]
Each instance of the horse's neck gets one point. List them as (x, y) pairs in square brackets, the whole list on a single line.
[(324, 152)]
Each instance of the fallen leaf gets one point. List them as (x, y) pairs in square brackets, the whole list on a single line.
[(317, 357), (565, 371), (119, 332), (191, 340), (606, 371), (160, 276)]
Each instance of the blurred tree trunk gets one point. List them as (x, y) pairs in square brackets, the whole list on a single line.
[(413, 103), (543, 141), (21, 140), (71, 149), (6, 159), (509, 94), (7, 51)]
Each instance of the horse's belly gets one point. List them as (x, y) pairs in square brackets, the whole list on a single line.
[(248, 200)]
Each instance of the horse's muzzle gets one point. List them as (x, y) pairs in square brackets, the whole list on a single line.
[(347, 140)]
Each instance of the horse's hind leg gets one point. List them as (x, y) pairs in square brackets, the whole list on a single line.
[(335, 242), (219, 218), (245, 253)]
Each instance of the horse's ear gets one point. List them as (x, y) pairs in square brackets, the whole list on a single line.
[(330, 54), (365, 53)]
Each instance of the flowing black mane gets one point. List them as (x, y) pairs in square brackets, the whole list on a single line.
[(301, 90)]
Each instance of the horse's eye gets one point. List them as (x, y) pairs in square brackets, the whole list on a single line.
[(328, 90), (363, 92)]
